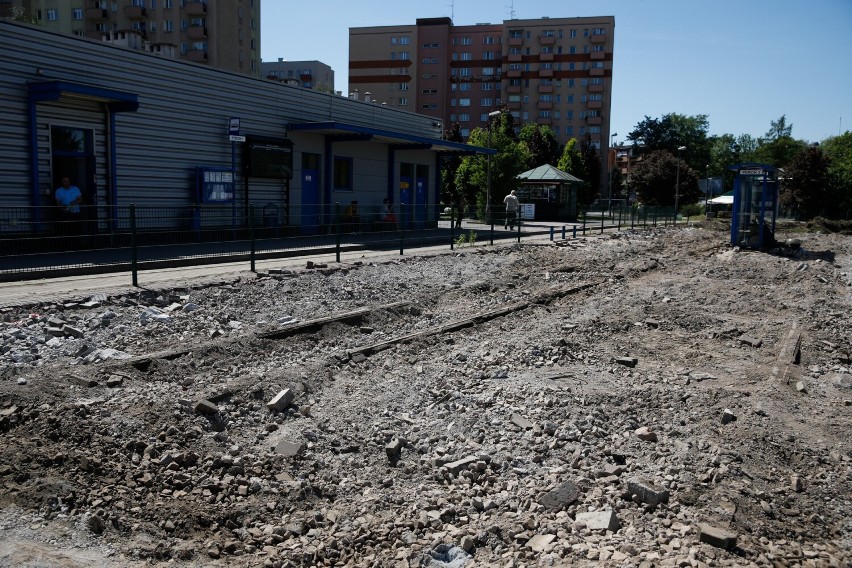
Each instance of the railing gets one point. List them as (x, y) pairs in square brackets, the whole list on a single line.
[(48, 241)]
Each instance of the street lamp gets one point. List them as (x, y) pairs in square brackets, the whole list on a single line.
[(492, 114), (611, 142), (677, 180), (707, 204)]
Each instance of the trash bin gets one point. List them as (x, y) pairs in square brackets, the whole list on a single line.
[(270, 216)]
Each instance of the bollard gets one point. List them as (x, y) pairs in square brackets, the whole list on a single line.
[(337, 246), (452, 225), (551, 233), (563, 232), (575, 232), (251, 236), (134, 252)]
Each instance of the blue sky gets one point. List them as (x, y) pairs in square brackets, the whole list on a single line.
[(744, 63)]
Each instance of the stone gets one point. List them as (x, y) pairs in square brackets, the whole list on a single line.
[(539, 542), (728, 416), (800, 386), (288, 449), (627, 361), (716, 537), (82, 381), (455, 467), (394, 450), (204, 406), (522, 422), (114, 381), (72, 331), (796, 483), (751, 341), (599, 520), (281, 400), (561, 496), (645, 433), (647, 492)]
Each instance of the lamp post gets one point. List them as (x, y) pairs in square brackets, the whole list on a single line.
[(707, 204), (611, 166), (677, 181), (489, 215)]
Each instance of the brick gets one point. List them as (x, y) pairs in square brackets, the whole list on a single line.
[(647, 492), (394, 450), (281, 400), (599, 520), (561, 496), (716, 537)]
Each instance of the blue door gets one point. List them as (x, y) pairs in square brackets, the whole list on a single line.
[(420, 203), (405, 202), (311, 209)]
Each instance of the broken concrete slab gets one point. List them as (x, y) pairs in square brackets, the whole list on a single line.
[(522, 422), (204, 406), (716, 537), (627, 361), (561, 496), (289, 449)]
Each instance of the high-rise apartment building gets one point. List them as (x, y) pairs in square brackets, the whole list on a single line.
[(553, 71), (314, 75), (221, 33)]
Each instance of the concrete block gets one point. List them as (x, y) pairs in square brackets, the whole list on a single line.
[(716, 537), (627, 361), (205, 407), (458, 465), (647, 492), (522, 422), (599, 520), (288, 449), (281, 400)]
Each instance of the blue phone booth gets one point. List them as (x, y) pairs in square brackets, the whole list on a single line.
[(755, 206)]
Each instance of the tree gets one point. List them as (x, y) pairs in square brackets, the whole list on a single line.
[(655, 177), (839, 151), (541, 143), (672, 131), (779, 129), (450, 193), (778, 151), (805, 186), (571, 160), (511, 159), (591, 189)]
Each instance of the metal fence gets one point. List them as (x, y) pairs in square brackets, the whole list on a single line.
[(49, 241)]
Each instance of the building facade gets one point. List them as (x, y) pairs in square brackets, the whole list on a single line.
[(224, 33), (552, 71), (72, 107), (314, 75)]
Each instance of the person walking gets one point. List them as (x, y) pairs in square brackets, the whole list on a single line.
[(512, 207), (68, 197)]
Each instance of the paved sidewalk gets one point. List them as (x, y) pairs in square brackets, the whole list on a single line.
[(67, 287)]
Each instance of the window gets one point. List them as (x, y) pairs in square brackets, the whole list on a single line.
[(139, 3), (342, 175), (584, 82), (487, 86), (488, 71), (573, 33), (489, 55), (583, 98), (569, 130), (465, 72), (515, 51), (467, 56), (598, 31), (464, 117), (427, 61), (596, 97), (465, 87), (402, 56), (78, 14), (403, 101), (167, 4), (404, 40), (548, 33), (598, 48), (430, 45), (488, 40), (516, 34), (544, 114), (570, 83), (168, 26), (514, 66), (598, 65), (52, 15), (569, 99), (572, 49), (546, 98), (547, 49), (486, 102), (465, 132), (153, 4), (464, 102), (466, 41), (403, 86)]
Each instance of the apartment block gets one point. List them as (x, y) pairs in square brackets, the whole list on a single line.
[(224, 34), (314, 75), (553, 71)]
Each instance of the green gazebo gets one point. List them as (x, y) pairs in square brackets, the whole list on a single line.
[(549, 192)]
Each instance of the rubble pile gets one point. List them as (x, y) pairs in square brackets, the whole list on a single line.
[(651, 398)]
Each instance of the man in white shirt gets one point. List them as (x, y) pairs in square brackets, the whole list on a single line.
[(512, 207)]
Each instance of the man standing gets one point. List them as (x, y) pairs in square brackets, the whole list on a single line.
[(512, 206), (68, 197)]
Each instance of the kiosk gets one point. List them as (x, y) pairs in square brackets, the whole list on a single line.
[(755, 207)]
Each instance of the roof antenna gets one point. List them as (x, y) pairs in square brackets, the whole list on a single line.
[(511, 7), (452, 6)]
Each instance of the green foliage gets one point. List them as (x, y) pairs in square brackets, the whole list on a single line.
[(592, 165), (469, 239), (691, 210), (672, 131), (839, 151), (541, 143), (461, 240), (655, 177), (778, 152), (805, 186), (511, 159), (779, 129), (571, 160)]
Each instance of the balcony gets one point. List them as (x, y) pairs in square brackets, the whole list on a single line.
[(196, 55), (594, 120), (96, 14), (595, 104), (544, 105), (547, 40), (514, 105), (545, 88), (516, 41), (545, 72), (596, 88), (597, 55), (598, 38), (545, 57), (514, 58), (134, 12), (195, 9), (196, 32), (596, 72), (544, 120), (513, 73), (513, 89)]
